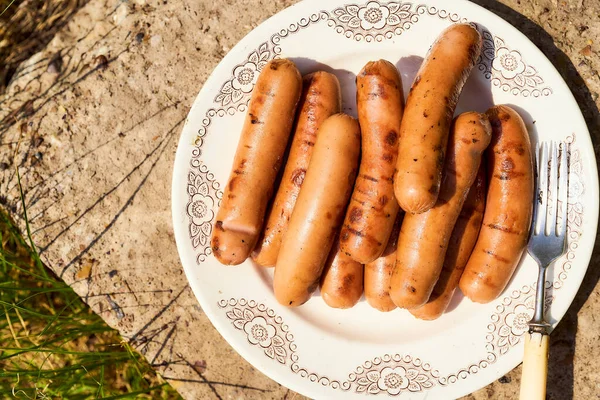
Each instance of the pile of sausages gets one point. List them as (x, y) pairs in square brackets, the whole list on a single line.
[(404, 204)]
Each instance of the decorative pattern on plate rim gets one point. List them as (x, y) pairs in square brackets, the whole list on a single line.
[(511, 319), (507, 69), (372, 21), (244, 76), (294, 28), (393, 374), (266, 329), (421, 9), (204, 195), (262, 327)]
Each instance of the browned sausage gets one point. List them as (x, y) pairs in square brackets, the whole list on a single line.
[(505, 228), (460, 247), (319, 210), (321, 98), (257, 161), (342, 279), (424, 237), (429, 109), (373, 207), (379, 273)]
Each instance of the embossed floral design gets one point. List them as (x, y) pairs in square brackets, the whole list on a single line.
[(259, 332), (508, 62), (518, 320), (373, 16), (199, 209), (244, 77), (393, 380), (394, 375), (373, 19), (256, 322), (507, 68), (576, 190)]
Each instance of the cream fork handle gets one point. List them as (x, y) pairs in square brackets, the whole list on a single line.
[(535, 367)]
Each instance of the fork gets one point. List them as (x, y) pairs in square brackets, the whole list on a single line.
[(547, 242)]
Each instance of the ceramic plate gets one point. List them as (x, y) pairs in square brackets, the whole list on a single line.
[(327, 353)]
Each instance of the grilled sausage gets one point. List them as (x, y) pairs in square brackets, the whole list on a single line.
[(257, 161), (373, 207), (507, 217), (319, 210), (424, 237), (429, 109), (342, 279), (321, 98), (460, 247), (379, 273)]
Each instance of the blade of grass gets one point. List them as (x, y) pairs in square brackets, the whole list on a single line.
[(100, 392), (7, 7)]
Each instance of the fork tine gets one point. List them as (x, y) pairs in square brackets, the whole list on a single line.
[(563, 186), (542, 190), (553, 190)]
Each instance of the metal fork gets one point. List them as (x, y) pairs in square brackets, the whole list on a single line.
[(547, 242)]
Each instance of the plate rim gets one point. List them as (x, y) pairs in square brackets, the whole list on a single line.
[(182, 155)]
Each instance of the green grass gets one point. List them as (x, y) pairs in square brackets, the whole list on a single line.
[(52, 346)]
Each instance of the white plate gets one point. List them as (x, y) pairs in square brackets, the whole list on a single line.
[(326, 353)]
